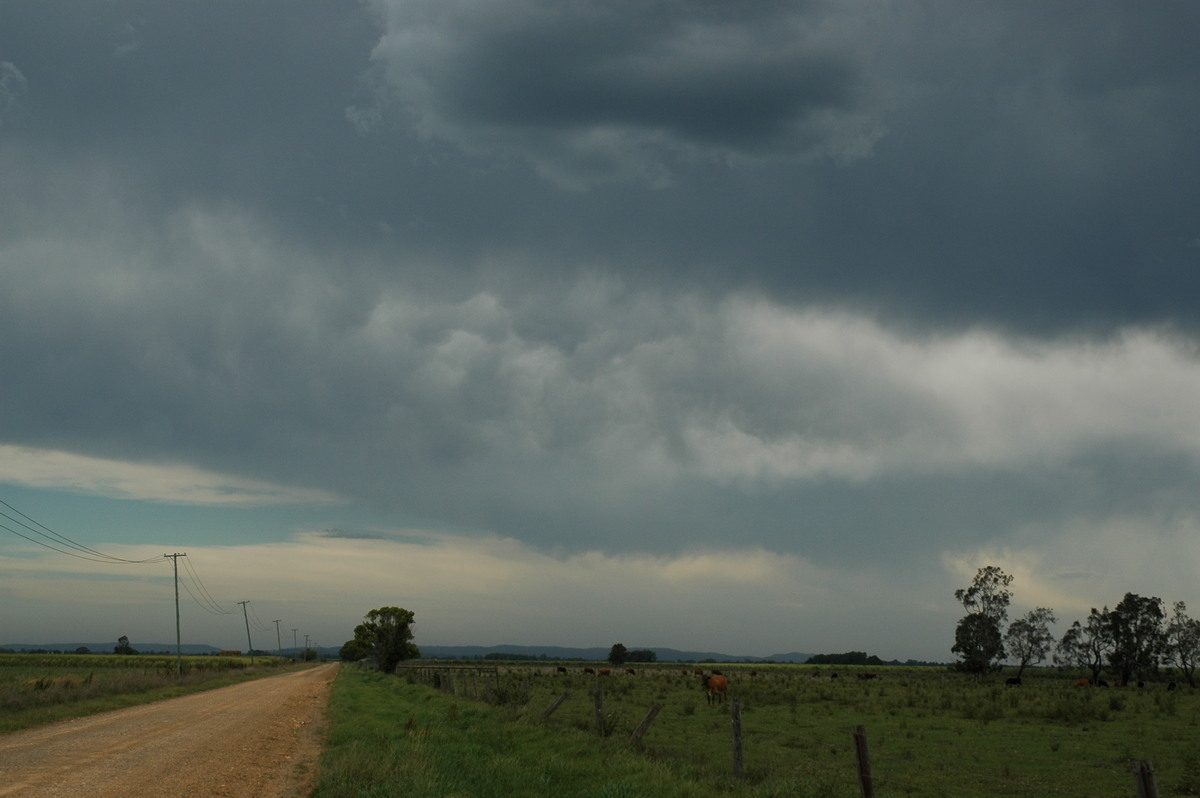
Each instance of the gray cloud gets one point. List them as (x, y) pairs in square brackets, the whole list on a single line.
[(845, 280)]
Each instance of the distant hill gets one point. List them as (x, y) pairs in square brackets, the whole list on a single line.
[(107, 648), (598, 654)]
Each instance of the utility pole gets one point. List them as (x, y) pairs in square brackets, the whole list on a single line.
[(246, 617), (278, 642), (306, 648), (295, 645), (178, 645)]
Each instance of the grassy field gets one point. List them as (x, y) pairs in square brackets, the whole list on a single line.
[(42, 688), (930, 733)]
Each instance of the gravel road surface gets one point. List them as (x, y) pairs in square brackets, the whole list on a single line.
[(257, 739)]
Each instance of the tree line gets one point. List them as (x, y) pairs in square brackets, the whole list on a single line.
[(1131, 641)]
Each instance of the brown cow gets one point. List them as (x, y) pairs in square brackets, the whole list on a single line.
[(1083, 683), (716, 687), (561, 669), (590, 670), (605, 672), (630, 672)]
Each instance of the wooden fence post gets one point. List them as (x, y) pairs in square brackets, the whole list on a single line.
[(735, 713), (550, 710), (599, 696), (1143, 779), (864, 762), (644, 726)]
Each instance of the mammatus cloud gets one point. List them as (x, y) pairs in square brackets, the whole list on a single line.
[(593, 93)]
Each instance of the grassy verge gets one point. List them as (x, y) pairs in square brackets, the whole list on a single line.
[(36, 691), (388, 737)]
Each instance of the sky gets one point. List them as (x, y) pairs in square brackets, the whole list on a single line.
[(750, 328)]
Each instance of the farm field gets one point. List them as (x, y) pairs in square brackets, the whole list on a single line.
[(42, 688), (930, 733)]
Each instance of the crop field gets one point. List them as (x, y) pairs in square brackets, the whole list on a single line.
[(40, 688), (929, 732)]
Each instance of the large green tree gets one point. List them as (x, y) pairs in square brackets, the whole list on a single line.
[(979, 636), (1137, 635), (387, 634), (1028, 639)]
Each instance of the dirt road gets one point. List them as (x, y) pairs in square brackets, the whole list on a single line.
[(257, 739)]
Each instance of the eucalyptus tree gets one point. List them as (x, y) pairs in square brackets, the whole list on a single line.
[(1183, 642), (1028, 639), (979, 636), (1086, 646), (1138, 636)]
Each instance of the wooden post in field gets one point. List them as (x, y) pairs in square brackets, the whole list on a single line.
[(599, 696), (644, 726), (735, 714), (864, 762), (1143, 779), (550, 710)]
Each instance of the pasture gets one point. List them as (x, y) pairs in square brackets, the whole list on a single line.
[(930, 733), (41, 688)]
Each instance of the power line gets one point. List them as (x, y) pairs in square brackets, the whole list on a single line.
[(61, 543), (205, 600)]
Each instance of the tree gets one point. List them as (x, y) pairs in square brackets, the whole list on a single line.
[(617, 654), (123, 647), (1183, 642), (1137, 634), (1028, 639), (978, 642), (386, 633), (1087, 646), (354, 650), (988, 594), (641, 655), (978, 639)]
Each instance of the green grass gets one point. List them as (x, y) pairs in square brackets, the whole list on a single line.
[(36, 689), (930, 733)]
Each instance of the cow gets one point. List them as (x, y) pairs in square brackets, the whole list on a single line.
[(715, 687), (630, 672), (1012, 681), (753, 674), (1102, 683), (717, 672), (685, 672), (605, 672), (1083, 683), (561, 669), (866, 676), (590, 670), (1171, 685)]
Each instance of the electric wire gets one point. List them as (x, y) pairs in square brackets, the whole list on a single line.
[(258, 622), (205, 599), (61, 543)]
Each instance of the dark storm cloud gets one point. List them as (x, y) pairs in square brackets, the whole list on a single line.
[(603, 275)]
